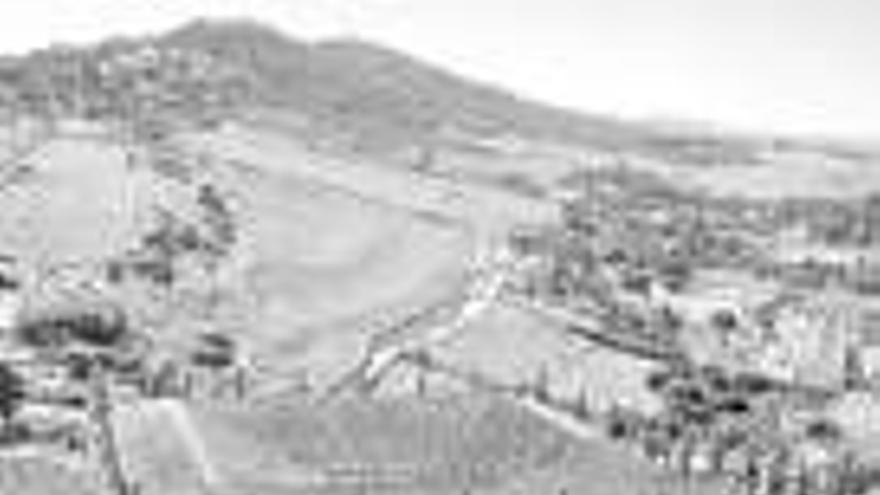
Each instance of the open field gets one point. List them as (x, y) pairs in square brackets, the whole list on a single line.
[(329, 269), (447, 446), (513, 345), (46, 215), (440, 447), (155, 454), (320, 230), (40, 476), (484, 208), (435, 447), (304, 246), (602, 469)]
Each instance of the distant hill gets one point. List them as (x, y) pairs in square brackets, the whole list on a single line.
[(356, 84), (381, 98), (388, 96)]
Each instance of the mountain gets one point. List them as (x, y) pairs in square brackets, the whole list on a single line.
[(356, 84), (387, 96), (378, 98)]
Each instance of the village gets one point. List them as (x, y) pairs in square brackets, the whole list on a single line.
[(65, 373), (769, 376), (740, 339)]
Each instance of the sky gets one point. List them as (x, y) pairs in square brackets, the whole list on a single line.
[(783, 66)]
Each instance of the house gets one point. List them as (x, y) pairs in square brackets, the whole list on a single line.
[(719, 309), (867, 338), (858, 415), (811, 339), (869, 361)]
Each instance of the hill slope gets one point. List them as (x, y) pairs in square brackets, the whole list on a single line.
[(391, 98), (378, 98)]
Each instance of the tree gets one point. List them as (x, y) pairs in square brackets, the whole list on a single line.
[(824, 430), (658, 380), (675, 273), (541, 385), (725, 320), (12, 393), (100, 327), (214, 351), (580, 406), (861, 479), (638, 283), (871, 220), (667, 325), (43, 332), (623, 424)]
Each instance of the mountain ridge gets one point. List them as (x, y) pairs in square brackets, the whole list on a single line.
[(388, 99)]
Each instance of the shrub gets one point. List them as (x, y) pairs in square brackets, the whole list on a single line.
[(103, 329), (43, 333), (12, 392), (214, 351)]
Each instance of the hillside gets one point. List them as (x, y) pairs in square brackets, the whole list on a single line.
[(362, 87), (386, 95), (322, 266), (374, 98)]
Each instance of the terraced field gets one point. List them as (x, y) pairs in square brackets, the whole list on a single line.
[(383, 447), (475, 444)]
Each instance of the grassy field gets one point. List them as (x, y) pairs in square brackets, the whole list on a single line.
[(601, 469), (155, 455), (338, 248), (78, 201), (513, 346), (438, 447), (318, 265), (451, 446), (36, 476), (484, 208), (329, 269)]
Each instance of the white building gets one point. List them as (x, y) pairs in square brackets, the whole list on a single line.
[(812, 339)]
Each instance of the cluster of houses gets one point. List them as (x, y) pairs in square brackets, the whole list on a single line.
[(627, 237), (124, 80), (807, 468), (730, 310), (59, 381), (826, 340)]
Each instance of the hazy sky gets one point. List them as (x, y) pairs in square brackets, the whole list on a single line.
[(787, 65)]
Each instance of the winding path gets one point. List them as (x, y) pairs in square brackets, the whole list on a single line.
[(181, 420)]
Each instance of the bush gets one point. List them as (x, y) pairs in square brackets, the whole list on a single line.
[(12, 392), (99, 327), (753, 384), (657, 381), (43, 333), (214, 351), (733, 405), (725, 320), (104, 329)]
